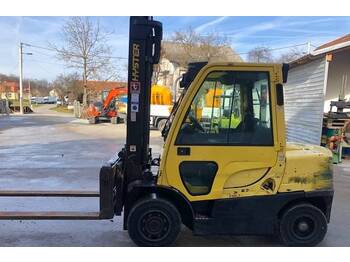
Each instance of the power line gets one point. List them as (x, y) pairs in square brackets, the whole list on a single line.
[(278, 48), (54, 50), (43, 62), (125, 58), (40, 47), (44, 54)]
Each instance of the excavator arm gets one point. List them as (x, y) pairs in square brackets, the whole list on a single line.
[(112, 95)]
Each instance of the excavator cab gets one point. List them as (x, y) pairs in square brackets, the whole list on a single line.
[(225, 166)]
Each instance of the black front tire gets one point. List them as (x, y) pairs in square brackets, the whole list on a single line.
[(154, 222), (302, 225)]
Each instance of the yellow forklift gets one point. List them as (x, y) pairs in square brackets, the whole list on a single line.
[(225, 167)]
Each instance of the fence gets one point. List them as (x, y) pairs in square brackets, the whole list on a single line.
[(4, 107)]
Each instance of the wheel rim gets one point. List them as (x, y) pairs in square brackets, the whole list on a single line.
[(154, 226), (303, 227)]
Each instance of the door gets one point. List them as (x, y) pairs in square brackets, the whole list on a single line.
[(225, 143)]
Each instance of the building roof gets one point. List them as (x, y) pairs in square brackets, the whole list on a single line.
[(336, 45), (177, 53), (8, 86), (104, 85), (343, 39)]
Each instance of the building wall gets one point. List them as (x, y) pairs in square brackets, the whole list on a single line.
[(304, 99), (338, 67), (169, 73), (53, 92)]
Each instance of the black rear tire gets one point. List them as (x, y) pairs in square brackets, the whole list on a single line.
[(154, 222), (302, 225)]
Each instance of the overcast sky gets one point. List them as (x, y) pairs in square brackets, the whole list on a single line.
[(244, 33)]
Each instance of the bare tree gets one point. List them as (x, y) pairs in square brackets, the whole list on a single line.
[(260, 54), (291, 55), (68, 85), (86, 49), (198, 47), (38, 87)]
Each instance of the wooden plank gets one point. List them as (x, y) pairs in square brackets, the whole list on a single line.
[(49, 215), (27, 193)]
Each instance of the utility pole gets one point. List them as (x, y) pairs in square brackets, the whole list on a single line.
[(21, 78), (308, 48), (21, 75)]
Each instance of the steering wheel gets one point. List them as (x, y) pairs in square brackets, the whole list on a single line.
[(195, 123)]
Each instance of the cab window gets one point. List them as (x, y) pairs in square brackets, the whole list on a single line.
[(230, 108)]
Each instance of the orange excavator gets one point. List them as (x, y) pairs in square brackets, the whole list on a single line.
[(106, 110)]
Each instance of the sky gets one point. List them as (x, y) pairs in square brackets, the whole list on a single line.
[(243, 34)]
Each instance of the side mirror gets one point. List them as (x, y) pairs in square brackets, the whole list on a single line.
[(183, 83), (279, 94), (192, 71), (285, 69)]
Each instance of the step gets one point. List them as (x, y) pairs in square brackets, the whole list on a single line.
[(49, 215), (27, 193)]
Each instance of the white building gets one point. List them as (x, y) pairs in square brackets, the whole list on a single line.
[(314, 80), (174, 57), (53, 92)]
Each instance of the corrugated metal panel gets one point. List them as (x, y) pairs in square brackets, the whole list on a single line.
[(304, 96)]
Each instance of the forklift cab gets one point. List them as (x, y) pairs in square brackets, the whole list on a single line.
[(217, 145)]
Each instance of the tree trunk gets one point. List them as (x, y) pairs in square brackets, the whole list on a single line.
[(85, 100)]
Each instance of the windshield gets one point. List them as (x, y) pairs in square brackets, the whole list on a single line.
[(167, 126)]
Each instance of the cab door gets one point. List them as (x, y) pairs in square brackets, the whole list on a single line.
[(224, 140)]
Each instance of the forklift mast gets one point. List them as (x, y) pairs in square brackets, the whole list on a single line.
[(144, 51)]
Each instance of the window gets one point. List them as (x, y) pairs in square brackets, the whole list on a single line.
[(230, 108), (198, 176)]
